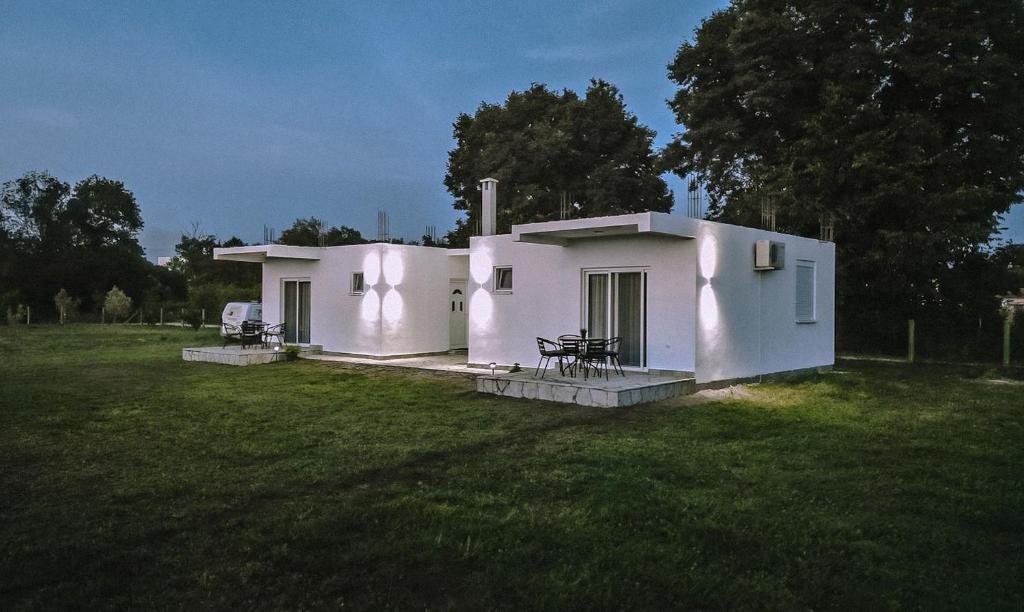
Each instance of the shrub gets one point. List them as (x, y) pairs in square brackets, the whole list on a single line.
[(17, 314), (193, 317), (117, 304), (67, 306)]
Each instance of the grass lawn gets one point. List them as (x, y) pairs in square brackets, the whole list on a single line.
[(131, 479)]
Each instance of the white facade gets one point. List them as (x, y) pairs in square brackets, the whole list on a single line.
[(705, 310), (402, 308), (683, 292)]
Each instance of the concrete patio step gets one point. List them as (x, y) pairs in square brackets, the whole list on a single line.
[(237, 356), (618, 391)]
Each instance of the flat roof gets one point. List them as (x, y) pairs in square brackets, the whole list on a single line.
[(637, 224), (258, 253)]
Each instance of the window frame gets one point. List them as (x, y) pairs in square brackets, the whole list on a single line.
[(352, 290), (511, 278), (813, 267)]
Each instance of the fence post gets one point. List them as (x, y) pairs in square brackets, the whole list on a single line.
[(161, 316), (1006, 341), (910, 341), (103, 315), (204, 318), (28, 315)]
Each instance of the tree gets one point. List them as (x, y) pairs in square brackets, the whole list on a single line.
[(67, 306), (552, 151), (105, 214), (904, 122), (117, 304), (82, 239), (211, 284), (32, 207), (309, 232)]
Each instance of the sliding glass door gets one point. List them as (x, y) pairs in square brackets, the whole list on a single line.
[(296, 311), (615, 304)]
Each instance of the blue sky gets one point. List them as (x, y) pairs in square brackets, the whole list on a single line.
[(235, 115)]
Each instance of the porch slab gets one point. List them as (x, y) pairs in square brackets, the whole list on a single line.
[(616, 392), (237, 356), (454, 361)]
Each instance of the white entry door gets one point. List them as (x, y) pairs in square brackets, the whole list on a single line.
[(457, 314)]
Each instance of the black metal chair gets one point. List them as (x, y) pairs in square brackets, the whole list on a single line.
[(231, 332), (252, 334), (572, 345), (550, 350), (592, 355), (272, 334), (611, 354)]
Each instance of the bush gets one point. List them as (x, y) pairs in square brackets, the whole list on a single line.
[(67, 306), (193, 317), (17, 314), (117, 304)]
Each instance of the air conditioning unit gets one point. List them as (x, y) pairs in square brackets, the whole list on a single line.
[(769, 255)]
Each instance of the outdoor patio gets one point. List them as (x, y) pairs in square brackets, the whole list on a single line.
[(235, 355), (454, 361), (617, 391)]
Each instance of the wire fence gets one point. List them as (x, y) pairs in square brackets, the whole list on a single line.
[(991, 340)]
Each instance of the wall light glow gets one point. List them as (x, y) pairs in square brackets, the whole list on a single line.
[(370, 310), (481, 309), (480, 266), (394, 268), (708, 256), (709, 314), (371, 268), (392, 307)]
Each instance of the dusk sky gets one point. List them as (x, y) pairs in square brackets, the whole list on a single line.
[(236, 115)]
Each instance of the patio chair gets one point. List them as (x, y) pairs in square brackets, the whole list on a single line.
[(548, 350), (611, 353), (274, 334), (592, 355), (572, 345), (252, 334), (231, 332)]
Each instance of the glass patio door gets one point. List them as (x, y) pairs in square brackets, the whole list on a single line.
[(615, 304), (296, 311)]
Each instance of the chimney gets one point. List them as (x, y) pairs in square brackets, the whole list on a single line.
[(488, 206)]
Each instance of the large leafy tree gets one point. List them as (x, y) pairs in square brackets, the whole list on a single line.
[(82, 239), (548, 147), (902, 121)]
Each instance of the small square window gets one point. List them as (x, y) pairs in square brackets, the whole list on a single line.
[(357, 283), (503, 279)]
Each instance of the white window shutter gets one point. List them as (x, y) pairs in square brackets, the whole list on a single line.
[(805, 291)]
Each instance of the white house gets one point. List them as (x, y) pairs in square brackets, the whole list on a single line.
[(686, 295), (374, 300)]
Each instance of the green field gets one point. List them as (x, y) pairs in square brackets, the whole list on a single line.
[(131, 479)]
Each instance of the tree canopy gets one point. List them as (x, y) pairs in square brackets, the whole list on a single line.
[(546, 147), (82, 239), (308, 232), (903, 122)]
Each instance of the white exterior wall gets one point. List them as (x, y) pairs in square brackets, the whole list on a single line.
[(547, 294), (747, 319), (403, 311), (708, 310)]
